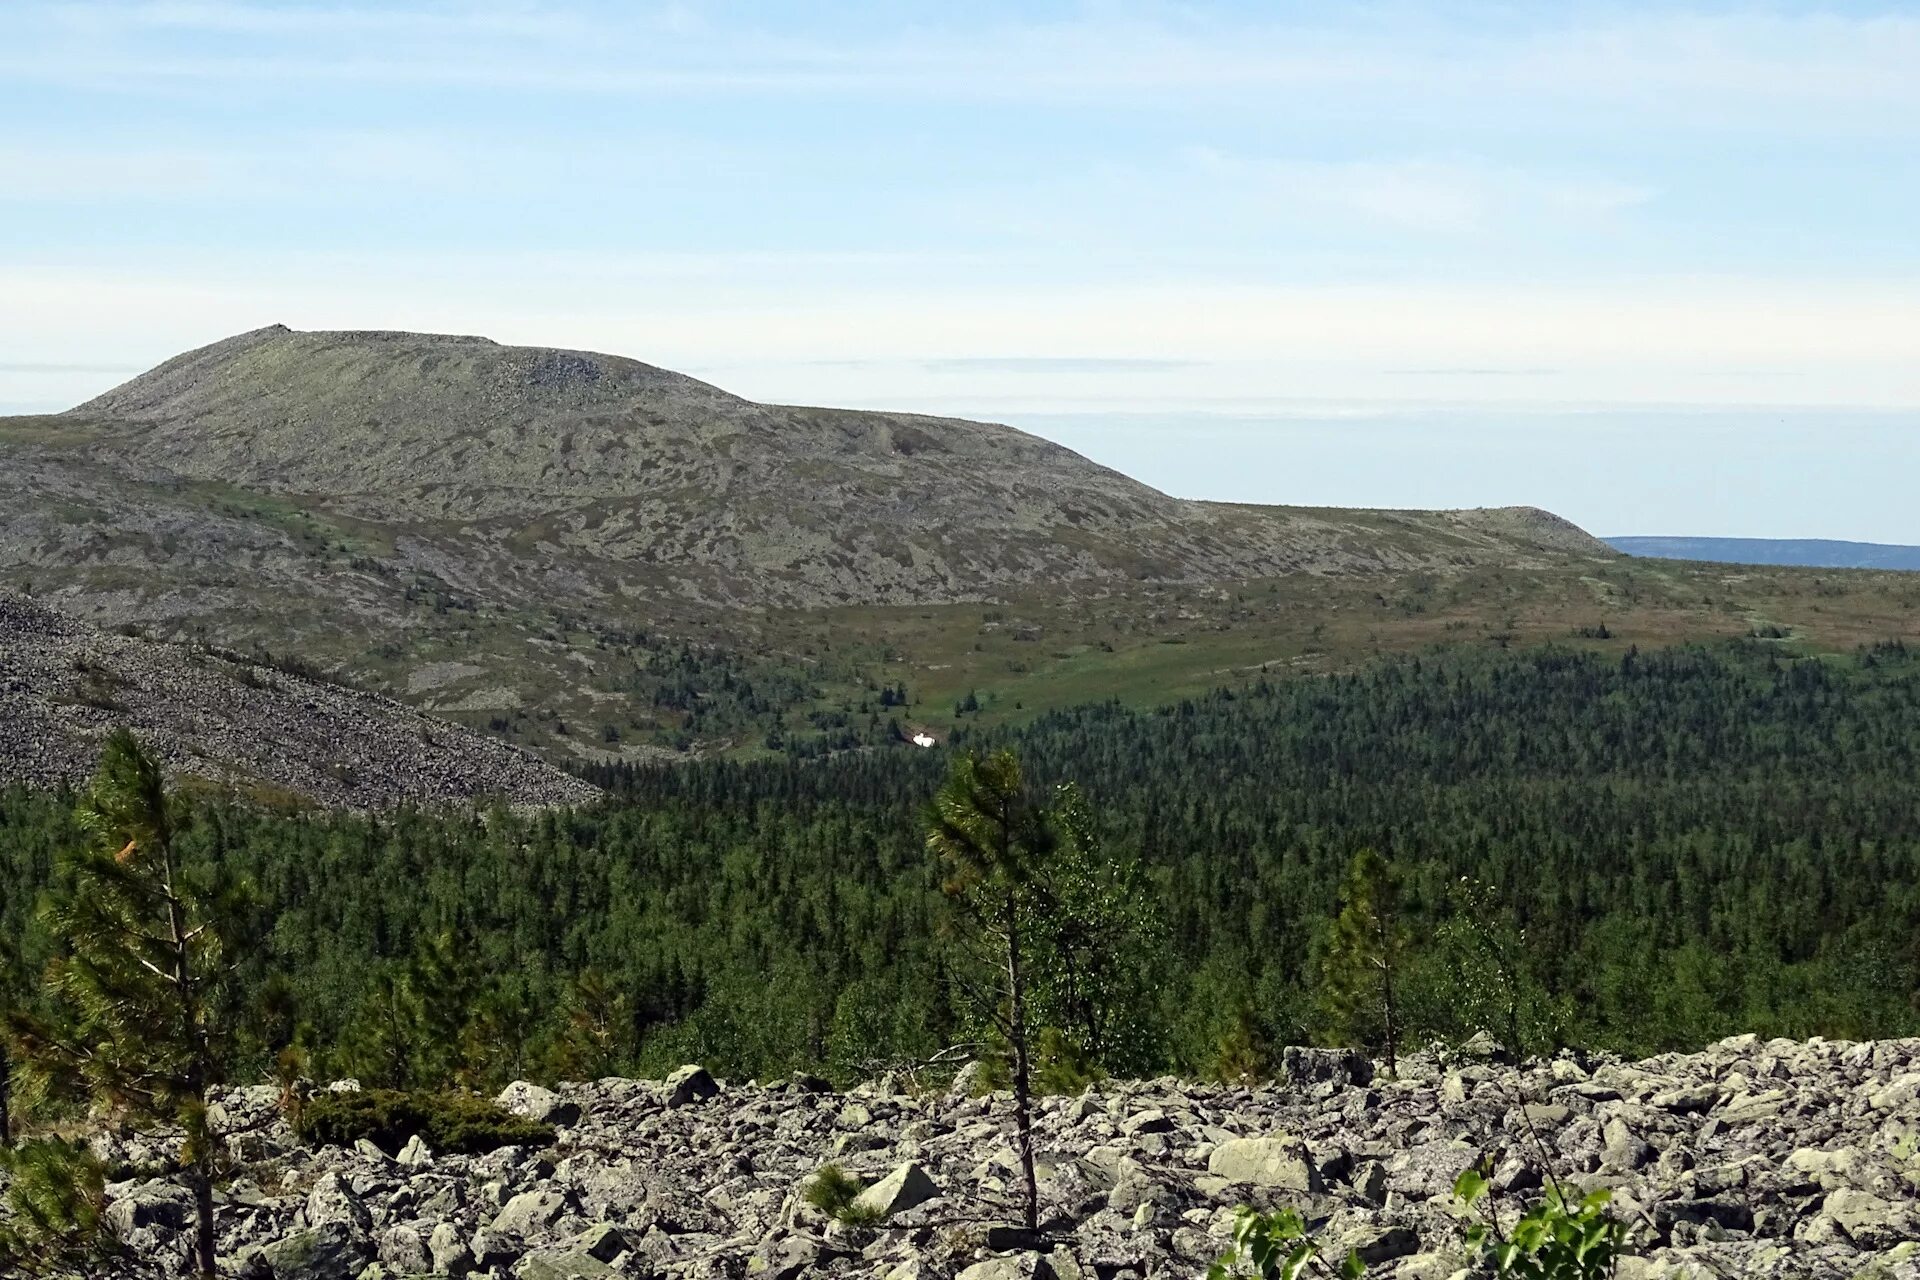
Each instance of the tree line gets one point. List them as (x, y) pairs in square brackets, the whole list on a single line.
[(1639, 853)]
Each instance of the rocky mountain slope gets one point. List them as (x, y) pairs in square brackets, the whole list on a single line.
[(219, 718), (520, 457), (552, 527), (1751, 1159)]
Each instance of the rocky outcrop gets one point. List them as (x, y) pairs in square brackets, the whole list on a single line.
[(1752, 1159), (266, 732)]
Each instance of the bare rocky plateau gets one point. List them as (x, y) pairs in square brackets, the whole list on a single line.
[(1753, 1159), (223, 720)]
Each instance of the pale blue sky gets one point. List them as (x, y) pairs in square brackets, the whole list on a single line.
[(1655, 266)]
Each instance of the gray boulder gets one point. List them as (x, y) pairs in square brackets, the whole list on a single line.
[(1278, 1160), (690, 1084), (401, 1249), (537, 1103), (331, 1251), (573, 1264), (1867, 1220), (908, 1185), (529, 1214), (1302, 1066), (602, 1241), (332, 1201), (451, 1257), (149, 1204), (1017, 1266)]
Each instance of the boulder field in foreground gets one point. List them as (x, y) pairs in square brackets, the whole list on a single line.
[(1751, 1159)]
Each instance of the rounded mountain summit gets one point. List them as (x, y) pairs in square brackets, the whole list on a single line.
[(606, 475)]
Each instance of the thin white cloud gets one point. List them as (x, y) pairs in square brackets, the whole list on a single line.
[(878, 339), (328, 164), (235, 17), (42, 172), (1420, 194), (1718, 68)]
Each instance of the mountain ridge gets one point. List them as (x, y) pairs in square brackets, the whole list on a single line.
[(744, 502), (595, 539)]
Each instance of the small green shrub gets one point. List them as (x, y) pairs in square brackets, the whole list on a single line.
[(56, 1202), (455, 1123), (1276, 1246), (832, 1190), (1061, 1065), (1557, 1239)]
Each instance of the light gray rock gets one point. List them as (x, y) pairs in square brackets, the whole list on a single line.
[(328, 1252), (904, 1188), (1868, 1221), (1278, 1160), (492, 1249), (529, 1214), (332, 1200), (448, 1245), (537, 1103), (788, 1258), (965, 1081), (602, 1241), (149, 1204), (402, 1249), (569, 1265), (1018, 1266), (690, 1084)]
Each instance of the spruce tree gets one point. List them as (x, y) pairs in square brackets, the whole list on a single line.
[(56, 1201), (1364, 962), (992, 838), (141, 958)]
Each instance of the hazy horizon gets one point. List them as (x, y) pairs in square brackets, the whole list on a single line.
[(1675, 472), (1647, 265)]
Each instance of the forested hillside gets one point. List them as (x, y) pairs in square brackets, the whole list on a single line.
[(1680, 845)]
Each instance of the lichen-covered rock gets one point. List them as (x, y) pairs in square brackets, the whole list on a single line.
[(1137, 1178), (905, 1188), (537, 1103), (690, 1084), (331, 1251), (530, 1213), (1277, 1160)]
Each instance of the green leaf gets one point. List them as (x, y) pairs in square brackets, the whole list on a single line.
[(1352, 1268), (1469, 1187)]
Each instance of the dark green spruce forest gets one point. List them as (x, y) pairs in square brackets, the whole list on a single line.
[(1631, 852)]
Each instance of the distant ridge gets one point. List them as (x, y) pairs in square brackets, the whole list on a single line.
[(635, 481), (607, 560), (1812, 553)]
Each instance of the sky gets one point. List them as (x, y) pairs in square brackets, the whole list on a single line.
[(1653, 266)]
